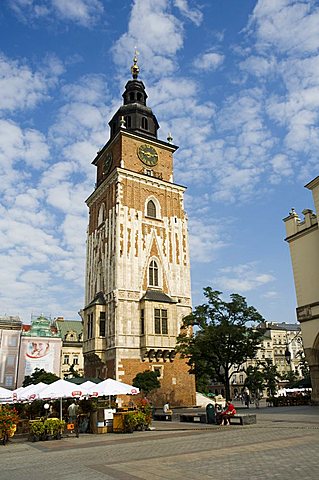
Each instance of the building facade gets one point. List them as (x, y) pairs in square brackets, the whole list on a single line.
[(282, 345), (138, 268), (303, 239), (72, 362), (10, 335)]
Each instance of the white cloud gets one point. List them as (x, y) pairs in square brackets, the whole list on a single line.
[(157, 34), (242, 278), (259, 66), (82, 12), (205, 239), (208, 61), (23, 88), (193, 14), (287, 26)]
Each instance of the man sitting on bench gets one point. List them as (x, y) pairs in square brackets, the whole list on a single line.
[(166, 409), (229, 412)]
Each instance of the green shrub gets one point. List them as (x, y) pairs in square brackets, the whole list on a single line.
[(130, 422)]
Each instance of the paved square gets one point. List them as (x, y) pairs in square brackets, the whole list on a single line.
[(284, 444)]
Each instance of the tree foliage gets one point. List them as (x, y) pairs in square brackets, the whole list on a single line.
[(218, 337), (271, 376), (147, 381), (255, 380), (39, 375)]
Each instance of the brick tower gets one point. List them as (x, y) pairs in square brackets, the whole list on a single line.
[(137, 268)]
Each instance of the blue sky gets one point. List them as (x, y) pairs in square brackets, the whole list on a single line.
[(237, 84)]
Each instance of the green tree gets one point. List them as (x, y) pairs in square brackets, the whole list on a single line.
[(218, 337), (39, 375), (147, 381), (271, 376), (291, 379), (254, 381), (73, 372)]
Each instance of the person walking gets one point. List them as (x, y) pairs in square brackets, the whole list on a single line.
[(73, 412)]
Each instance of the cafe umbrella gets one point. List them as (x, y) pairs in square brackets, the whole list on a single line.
[(62, 389)]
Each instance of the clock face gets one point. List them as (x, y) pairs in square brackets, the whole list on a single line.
[(148, 154), (107, 163)]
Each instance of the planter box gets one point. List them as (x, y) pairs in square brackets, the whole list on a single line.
[(106, 429)]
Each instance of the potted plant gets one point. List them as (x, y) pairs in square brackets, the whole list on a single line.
[(53, 428), (37, 430), (8, 422), (130, 422), (141, 421)]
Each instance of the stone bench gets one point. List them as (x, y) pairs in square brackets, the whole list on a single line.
[(245, 419), (165, 417), (193, 417)]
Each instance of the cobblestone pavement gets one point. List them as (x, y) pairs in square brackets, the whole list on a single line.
[(284, 444)]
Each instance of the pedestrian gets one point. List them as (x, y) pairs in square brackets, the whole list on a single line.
[(73, 411)]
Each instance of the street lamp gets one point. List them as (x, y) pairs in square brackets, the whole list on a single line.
[(288, 355)]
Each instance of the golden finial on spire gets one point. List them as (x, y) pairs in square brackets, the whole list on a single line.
[(134, 68)]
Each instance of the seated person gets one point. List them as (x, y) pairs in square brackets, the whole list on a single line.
[(218, 413), (167, 409), (229, 412)]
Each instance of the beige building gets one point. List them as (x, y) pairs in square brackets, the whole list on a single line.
[(281, 344), (71, 351), (138, 268), (303, 238), (10, 336)]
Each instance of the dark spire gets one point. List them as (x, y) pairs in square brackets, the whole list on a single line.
[(134, 114)]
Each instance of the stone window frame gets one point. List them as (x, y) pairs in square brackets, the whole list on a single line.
[(157, 208), (161, 327), (159, 283)]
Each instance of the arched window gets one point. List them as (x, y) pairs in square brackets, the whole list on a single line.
[(151, 209), (153, 274), (144, 123), (132, 96), (139, 96)]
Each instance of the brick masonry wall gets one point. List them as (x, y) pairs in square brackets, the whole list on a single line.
[(177, 384)]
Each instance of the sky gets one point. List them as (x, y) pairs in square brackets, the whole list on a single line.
[(236, 82)]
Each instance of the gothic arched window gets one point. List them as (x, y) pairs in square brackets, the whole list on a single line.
[(151, 209), (153, 274)]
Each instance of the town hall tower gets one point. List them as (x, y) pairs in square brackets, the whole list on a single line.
[(137, 287)]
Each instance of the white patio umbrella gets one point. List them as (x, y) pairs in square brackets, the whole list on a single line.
[(112, 387), (6, 395), (87, 385), (32, 391), (62, 389)]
